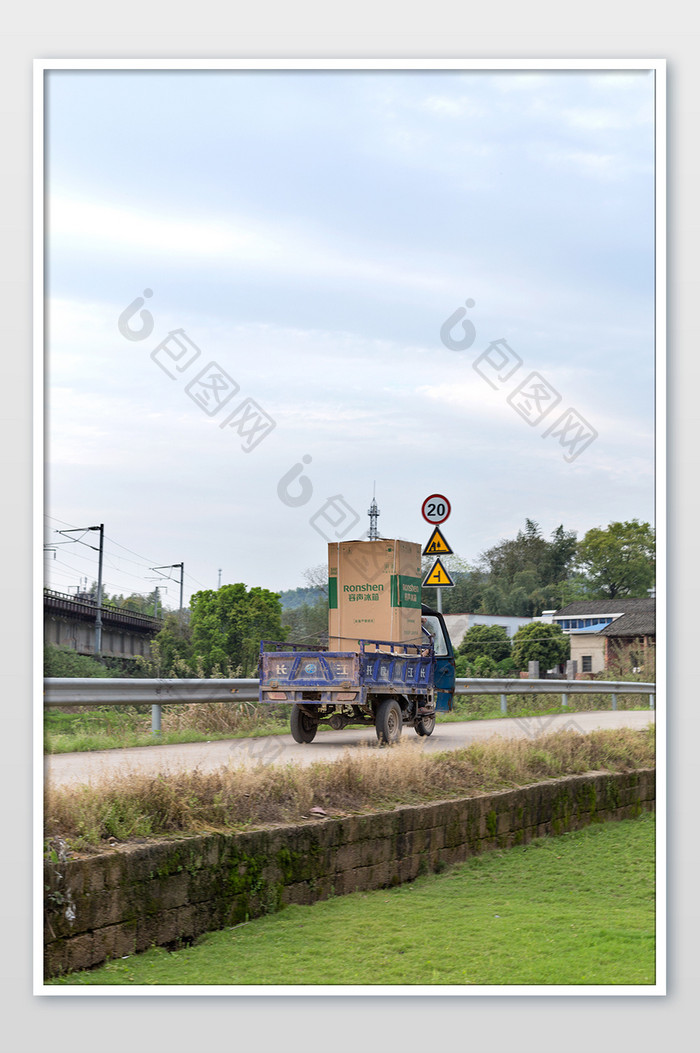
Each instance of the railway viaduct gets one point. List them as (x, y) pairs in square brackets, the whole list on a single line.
[(70, 622)]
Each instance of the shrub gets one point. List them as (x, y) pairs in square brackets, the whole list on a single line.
[(483, 666), (64, 662), (540, 642), (490, 641)]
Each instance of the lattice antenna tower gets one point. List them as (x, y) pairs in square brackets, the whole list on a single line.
[(373, 513)]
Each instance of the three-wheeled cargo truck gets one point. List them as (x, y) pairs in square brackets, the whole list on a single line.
[(382, 683)]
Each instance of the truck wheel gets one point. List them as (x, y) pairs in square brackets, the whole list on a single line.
[(303, 726), (388, 722), (425, 726)]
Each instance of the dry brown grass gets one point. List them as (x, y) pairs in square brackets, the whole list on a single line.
[(223, 717), (230, 799)]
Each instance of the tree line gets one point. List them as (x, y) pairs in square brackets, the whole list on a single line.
[(487, 650), (220, 633), (529, 574)]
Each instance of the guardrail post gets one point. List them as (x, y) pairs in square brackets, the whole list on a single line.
[(504, 704), (652, 701), (614, 700), (564, 700), (155, 719)]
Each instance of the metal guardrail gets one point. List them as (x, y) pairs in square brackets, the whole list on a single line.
[(128, 691), (97, 691)]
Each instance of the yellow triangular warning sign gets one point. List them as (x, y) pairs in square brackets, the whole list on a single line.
[(437, 546), (438, 576)]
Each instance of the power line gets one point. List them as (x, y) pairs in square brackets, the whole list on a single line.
[(147, 563), (144, 562), (117, 543), (82, 569)]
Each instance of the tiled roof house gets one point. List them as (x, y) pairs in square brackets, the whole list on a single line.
[(601, 630)]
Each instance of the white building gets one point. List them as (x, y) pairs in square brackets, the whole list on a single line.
[(457, 624)]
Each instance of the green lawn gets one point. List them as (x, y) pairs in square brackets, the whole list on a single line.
[(576, 909)]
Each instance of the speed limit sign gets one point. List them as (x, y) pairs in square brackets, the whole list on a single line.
[(436, 508)]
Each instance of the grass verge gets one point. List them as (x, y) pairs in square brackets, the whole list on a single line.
[(577, 909), (119, 727), (139, 805), (81, 730), (488, 707)]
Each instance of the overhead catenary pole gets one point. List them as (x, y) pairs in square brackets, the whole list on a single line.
[(100, 551), (98, 619), (176, 566), (155, 708)]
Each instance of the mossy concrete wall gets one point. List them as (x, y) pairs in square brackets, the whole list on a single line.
[(167, 893)]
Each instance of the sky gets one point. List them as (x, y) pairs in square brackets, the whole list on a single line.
[(270, 294)]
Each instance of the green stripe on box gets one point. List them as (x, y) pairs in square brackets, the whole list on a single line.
[(332, 593), (405, 591)]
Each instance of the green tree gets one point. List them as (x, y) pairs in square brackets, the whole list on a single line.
[(561, 555), (526, 574), (483, 667), (494, 600), (618, 560), (491, 641), (526, 552), (466, 595), (462, 667), (229, 623), (171, 649), (307, 623), (139, 603), (540, 642)]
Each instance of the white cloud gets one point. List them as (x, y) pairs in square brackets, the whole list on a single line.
[(607, 119), (348, 358), (511, 82), (586, 162), (473, 396), (99, 228), (452, 106), (109, 226)]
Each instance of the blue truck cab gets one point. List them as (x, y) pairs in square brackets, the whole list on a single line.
[(384, 683)]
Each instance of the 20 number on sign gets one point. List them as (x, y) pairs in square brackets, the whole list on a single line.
[(436, 508)]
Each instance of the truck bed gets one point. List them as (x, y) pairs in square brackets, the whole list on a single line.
[(294, 673)]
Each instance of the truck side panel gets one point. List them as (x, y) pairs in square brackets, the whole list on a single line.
[(345, 676)]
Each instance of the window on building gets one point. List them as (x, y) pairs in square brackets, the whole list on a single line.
[(586, 663)]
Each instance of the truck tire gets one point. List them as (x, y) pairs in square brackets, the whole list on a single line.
[(426, 725), (388, 722), (303, 726)]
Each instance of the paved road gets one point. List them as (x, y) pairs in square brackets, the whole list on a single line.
[(78, 768)]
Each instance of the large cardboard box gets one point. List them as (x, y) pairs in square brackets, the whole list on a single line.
[(374, 592)]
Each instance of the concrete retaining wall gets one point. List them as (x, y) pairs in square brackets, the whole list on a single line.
[(167, 893)]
